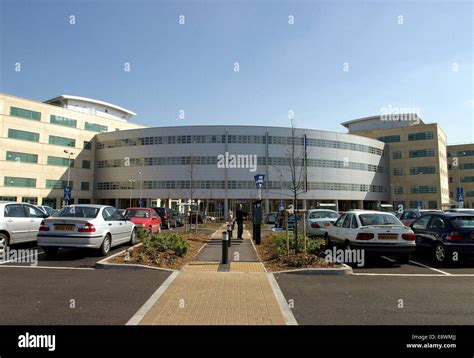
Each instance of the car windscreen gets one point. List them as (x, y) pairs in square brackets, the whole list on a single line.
[(137, 213), (86, 212), (378, 219), (323, 215), (463, 222)]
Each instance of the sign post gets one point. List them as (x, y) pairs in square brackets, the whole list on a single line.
[(460, 196), (67, 194), (257, 209)]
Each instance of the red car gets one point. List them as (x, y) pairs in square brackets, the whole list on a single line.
[(144, 218)]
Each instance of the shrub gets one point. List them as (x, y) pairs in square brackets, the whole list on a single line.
[(313, 246), (172, 243)]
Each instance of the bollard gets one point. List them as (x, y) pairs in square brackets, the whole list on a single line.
[(225, 248), (229, 233)]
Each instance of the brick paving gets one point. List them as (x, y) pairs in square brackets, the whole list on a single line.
[(201, 294)]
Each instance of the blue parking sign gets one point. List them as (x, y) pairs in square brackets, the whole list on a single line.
[(460, 194), (259, 178), (67, 193)]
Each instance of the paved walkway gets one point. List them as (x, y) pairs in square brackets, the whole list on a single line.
[(208, 293)]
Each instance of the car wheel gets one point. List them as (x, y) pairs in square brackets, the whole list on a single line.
[(403, 259), (106, 244), (3, 242), (50, 251), (440, 253), (133, 237)]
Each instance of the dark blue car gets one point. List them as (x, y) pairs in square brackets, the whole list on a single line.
[(446, 234)]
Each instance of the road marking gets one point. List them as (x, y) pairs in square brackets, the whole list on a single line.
[(137, 317), (387, 258), (431, 268), (399, 274), (50, 267), (290, 319)]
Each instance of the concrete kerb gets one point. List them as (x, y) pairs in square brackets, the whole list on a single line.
[(345, 270)]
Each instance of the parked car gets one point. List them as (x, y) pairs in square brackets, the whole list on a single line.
[(200, 217), (19, 222), (177, 217), (85, 226), (444, 234), (409, 215), (145, 218), (374, 232), (167, 220), (318, 220), (271, 218), (46, 209), (291, 222), (461, 210)]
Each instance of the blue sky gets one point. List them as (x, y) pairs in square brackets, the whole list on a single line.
[(283, 67)]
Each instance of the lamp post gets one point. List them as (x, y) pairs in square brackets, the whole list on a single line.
[(141, 186), (420, 206), (131, 187), (68, 169)]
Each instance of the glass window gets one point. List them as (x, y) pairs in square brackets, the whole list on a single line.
[(389, 138), (339, 221), (30, 200), (85, 185), (25, 113), (463, 221), (33, 212), (93, 127), (354, 224), (436, 223), (397, 171), (22, 157), (23, 135), (378, 219), (86, 212), (420, 136), (421, 153), (63, 121), (397, 154), (63, 162), (7, 198), (87, 145), (323, 215), (86, 164), (49, 202), (14, 211), (20, 182), (57, 184), (66, 142), (347, 221), (421, 222)]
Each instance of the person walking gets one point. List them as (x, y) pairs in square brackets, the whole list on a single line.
[(239, 218)]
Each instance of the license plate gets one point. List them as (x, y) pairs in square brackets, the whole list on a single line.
[(64, 227), (327, 224), (388, 236)]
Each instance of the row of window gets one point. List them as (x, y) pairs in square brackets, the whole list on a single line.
[(55, 140), (462, 166), (33, 158), (411, 137), (50, 183), (51, 202), (62, 121), (420, 153), (462, 153), (276, 161), (416, 170), (236, 184), (422, 189), (239, 139)]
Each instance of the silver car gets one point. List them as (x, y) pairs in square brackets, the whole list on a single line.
[(85, 226), (19, 222)]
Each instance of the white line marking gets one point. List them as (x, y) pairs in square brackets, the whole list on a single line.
[(282, 302), (6, 262), (387, 258), (398, 274), (137, 317), (50, 267), (431, 268)]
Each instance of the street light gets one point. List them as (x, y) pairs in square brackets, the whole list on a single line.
[(420, 206), (141, 186), (131, 187), (68, 169)]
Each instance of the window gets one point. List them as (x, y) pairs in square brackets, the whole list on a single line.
[(424, 170), (397, 171), (86, 212), (87, 145), (66, 142), (389, 138), (23, 135), (397, 154), (57, 184), (421, 223), (7, 198), (63, 121), (347, 221), (63, 162), (432, 204), (399, 190), (29, 200), (14, 211), (339, 221), (421, 153), (85, 185), (33, 212), (108, 214), (22, 157), (83, 201), (51, 202), (420, 136), (354, 224), (436, 223), (20, 182), (95, 127), (25, 113), (86, 164)]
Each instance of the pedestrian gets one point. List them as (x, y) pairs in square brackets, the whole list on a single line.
[(239, 218)]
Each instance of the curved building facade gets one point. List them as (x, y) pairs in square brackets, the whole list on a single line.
[(216, 166)]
